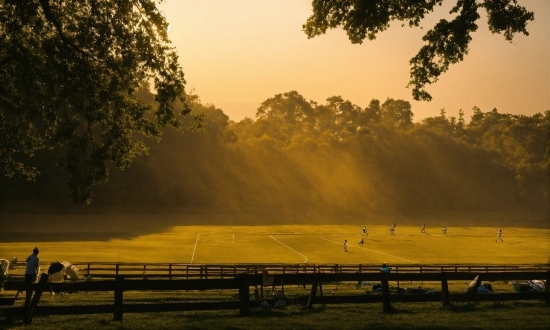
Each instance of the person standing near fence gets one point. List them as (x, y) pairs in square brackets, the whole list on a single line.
[(31, 270), (32, 266)]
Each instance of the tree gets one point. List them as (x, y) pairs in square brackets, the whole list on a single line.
[(446, 43), (69, 71), (397, 113), (283, 115)]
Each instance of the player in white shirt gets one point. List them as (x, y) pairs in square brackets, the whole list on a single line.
[(499, 235), (444, 230), (392, 230), (423, 230), (365, 232)]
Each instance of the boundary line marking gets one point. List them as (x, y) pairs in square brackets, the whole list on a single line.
[(288, 247), (364, 248), (195, 249), (218, 241)]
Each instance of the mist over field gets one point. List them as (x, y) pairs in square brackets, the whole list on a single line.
[(299, 161)]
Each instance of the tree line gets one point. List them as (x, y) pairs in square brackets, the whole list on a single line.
[(69, 72), (300, 155)]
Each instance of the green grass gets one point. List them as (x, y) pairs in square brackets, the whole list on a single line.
[(482, 315), (499, 315), (312, 244)]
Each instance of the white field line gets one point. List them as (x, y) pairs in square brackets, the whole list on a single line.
[(215, 240), (288, 247), (364, 248), (218, 241), (195, 249)]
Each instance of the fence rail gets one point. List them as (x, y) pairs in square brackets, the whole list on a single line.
[(191, 271), (246, 276)]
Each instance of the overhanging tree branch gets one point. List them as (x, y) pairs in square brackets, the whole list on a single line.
[(447, 42)]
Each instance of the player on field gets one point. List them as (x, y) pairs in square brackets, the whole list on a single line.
[(362, 241), (365, 232), (444, 230), (392, 230), (345, 245), (423, 230), (499, 235)]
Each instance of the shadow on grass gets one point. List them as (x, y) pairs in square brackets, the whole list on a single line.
[(460, 307)]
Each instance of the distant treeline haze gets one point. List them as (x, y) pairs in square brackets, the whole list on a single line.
[(298, 155)]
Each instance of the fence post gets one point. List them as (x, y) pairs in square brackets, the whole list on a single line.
[(244, 294), (88, 270), (36, 298), (119, 289), (397, 271), (444, 289), (170, 271), (547, 287), (386, 293), (116, 273), (313, 294)]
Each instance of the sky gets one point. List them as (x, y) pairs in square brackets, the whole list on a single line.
[(238, 53)]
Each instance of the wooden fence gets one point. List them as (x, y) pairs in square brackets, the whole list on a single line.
[(236, 279), (105, 270)]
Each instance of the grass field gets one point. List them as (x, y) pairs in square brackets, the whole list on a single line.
[(168, 238), (296, 244)]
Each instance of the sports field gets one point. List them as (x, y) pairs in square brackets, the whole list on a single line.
[(297, 244)]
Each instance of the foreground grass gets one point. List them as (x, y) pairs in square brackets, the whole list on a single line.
[(508, 315), (533, 314)]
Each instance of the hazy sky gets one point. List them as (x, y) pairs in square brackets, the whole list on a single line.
[(237, 53)]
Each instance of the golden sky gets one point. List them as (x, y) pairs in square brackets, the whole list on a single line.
[(237, 53)]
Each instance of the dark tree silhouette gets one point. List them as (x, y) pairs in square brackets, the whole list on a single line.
[(69, 71), (446, 43)]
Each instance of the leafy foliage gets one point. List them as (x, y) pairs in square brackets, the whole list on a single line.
[(69, 71), (446, 43), (333, 157)]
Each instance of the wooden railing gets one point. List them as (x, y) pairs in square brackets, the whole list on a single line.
[(206, 271), (284, 275)]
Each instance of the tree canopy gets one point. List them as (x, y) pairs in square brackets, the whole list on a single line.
[(69, 72), (446, 43), (334, 157)]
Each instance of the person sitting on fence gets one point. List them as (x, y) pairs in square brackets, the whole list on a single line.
[(385, 268)]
